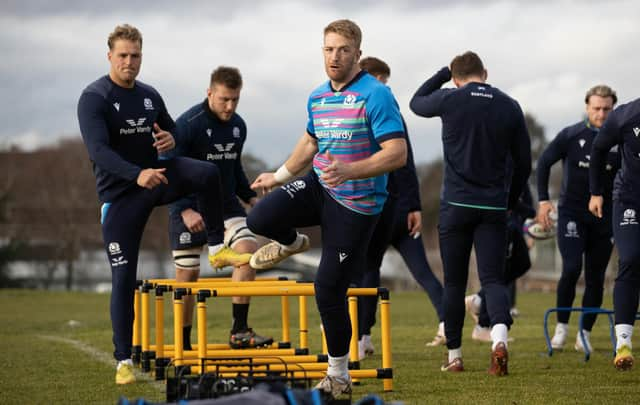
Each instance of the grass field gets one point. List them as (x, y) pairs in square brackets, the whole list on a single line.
[(57, 349)]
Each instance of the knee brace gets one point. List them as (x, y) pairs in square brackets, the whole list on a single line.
[(236, 230), (187, 259)]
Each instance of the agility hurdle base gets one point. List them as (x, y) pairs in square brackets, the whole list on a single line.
[(281, 358)]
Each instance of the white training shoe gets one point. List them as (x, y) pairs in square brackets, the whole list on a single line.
[(472, 304), (273, 253), (365, 347), (559, 337), (334, 386), (578, 346), (481, 334)]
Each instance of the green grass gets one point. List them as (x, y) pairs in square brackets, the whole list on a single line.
[(46, 360)]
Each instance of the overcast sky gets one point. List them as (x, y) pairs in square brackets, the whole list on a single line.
[(546, 54)]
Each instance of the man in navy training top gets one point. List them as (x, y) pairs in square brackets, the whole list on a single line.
[(354, 137), (622, 128), (399, 226), (213, 131), (579, 233), (125, 125), (487, 160)]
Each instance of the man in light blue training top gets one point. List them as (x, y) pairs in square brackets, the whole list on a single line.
[(354, 136)]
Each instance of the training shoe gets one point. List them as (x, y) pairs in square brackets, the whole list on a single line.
[(228, 257), (454, 366), (472, 305), (124, 373), (624, 358), (273, 253), (334, 386), (438, 340), (248, 339), (481, 334), (365, 347), (499, 360), (559, 337), (578, 346)]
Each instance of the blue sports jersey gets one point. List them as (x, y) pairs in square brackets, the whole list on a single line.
[(351, 123), (621, 128), (201, 135), (573, 146), (116, 124), (481, 128)]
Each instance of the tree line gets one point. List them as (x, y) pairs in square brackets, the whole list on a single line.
[(49, 211)]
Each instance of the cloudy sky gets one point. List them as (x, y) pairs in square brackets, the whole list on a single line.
[(546, 54)]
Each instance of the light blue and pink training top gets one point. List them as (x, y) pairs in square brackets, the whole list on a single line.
[(350, 124)]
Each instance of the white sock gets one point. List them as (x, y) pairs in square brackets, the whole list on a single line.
[(297, 244), (562, 328), (339, 366), (213, 249), (454, 354), (366, 339), (499, 333), (123, 362), (441, 329), (623, 335)]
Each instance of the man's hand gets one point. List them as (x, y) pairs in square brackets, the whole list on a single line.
[(264, 183), (595, 205), (544, 209), (164, 140), (336, 173), (414, 223), (253, 201), (192, 220), (149, 178)]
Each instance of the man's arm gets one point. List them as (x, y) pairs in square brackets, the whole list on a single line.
[(608, 136), (300, 158), (521, 158), (427, 100), (392, 156), (243, 190), (555, 151), (95, 134)]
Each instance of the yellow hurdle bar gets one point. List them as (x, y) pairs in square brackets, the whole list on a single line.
[(309, 358), (202, 327), (284, 303), (303, 325), (353, 314), (178, 344), (135, 341), (159, 346), (299, 289), (385, 326), (315, 375), (235, 353)]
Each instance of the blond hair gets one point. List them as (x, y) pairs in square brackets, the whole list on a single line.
[(124, 31), (347, 29), (602, 91)]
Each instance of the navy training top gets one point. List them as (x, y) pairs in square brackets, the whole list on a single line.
[(201, 135), (621, 128), (116, 124), (483, 129)]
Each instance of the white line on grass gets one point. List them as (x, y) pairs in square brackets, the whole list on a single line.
[(103, 357)]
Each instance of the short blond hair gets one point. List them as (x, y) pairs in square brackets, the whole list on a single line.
[(602, 91), (124, 31), (347, 29)]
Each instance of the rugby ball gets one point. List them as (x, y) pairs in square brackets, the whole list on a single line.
[(537, 231)]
